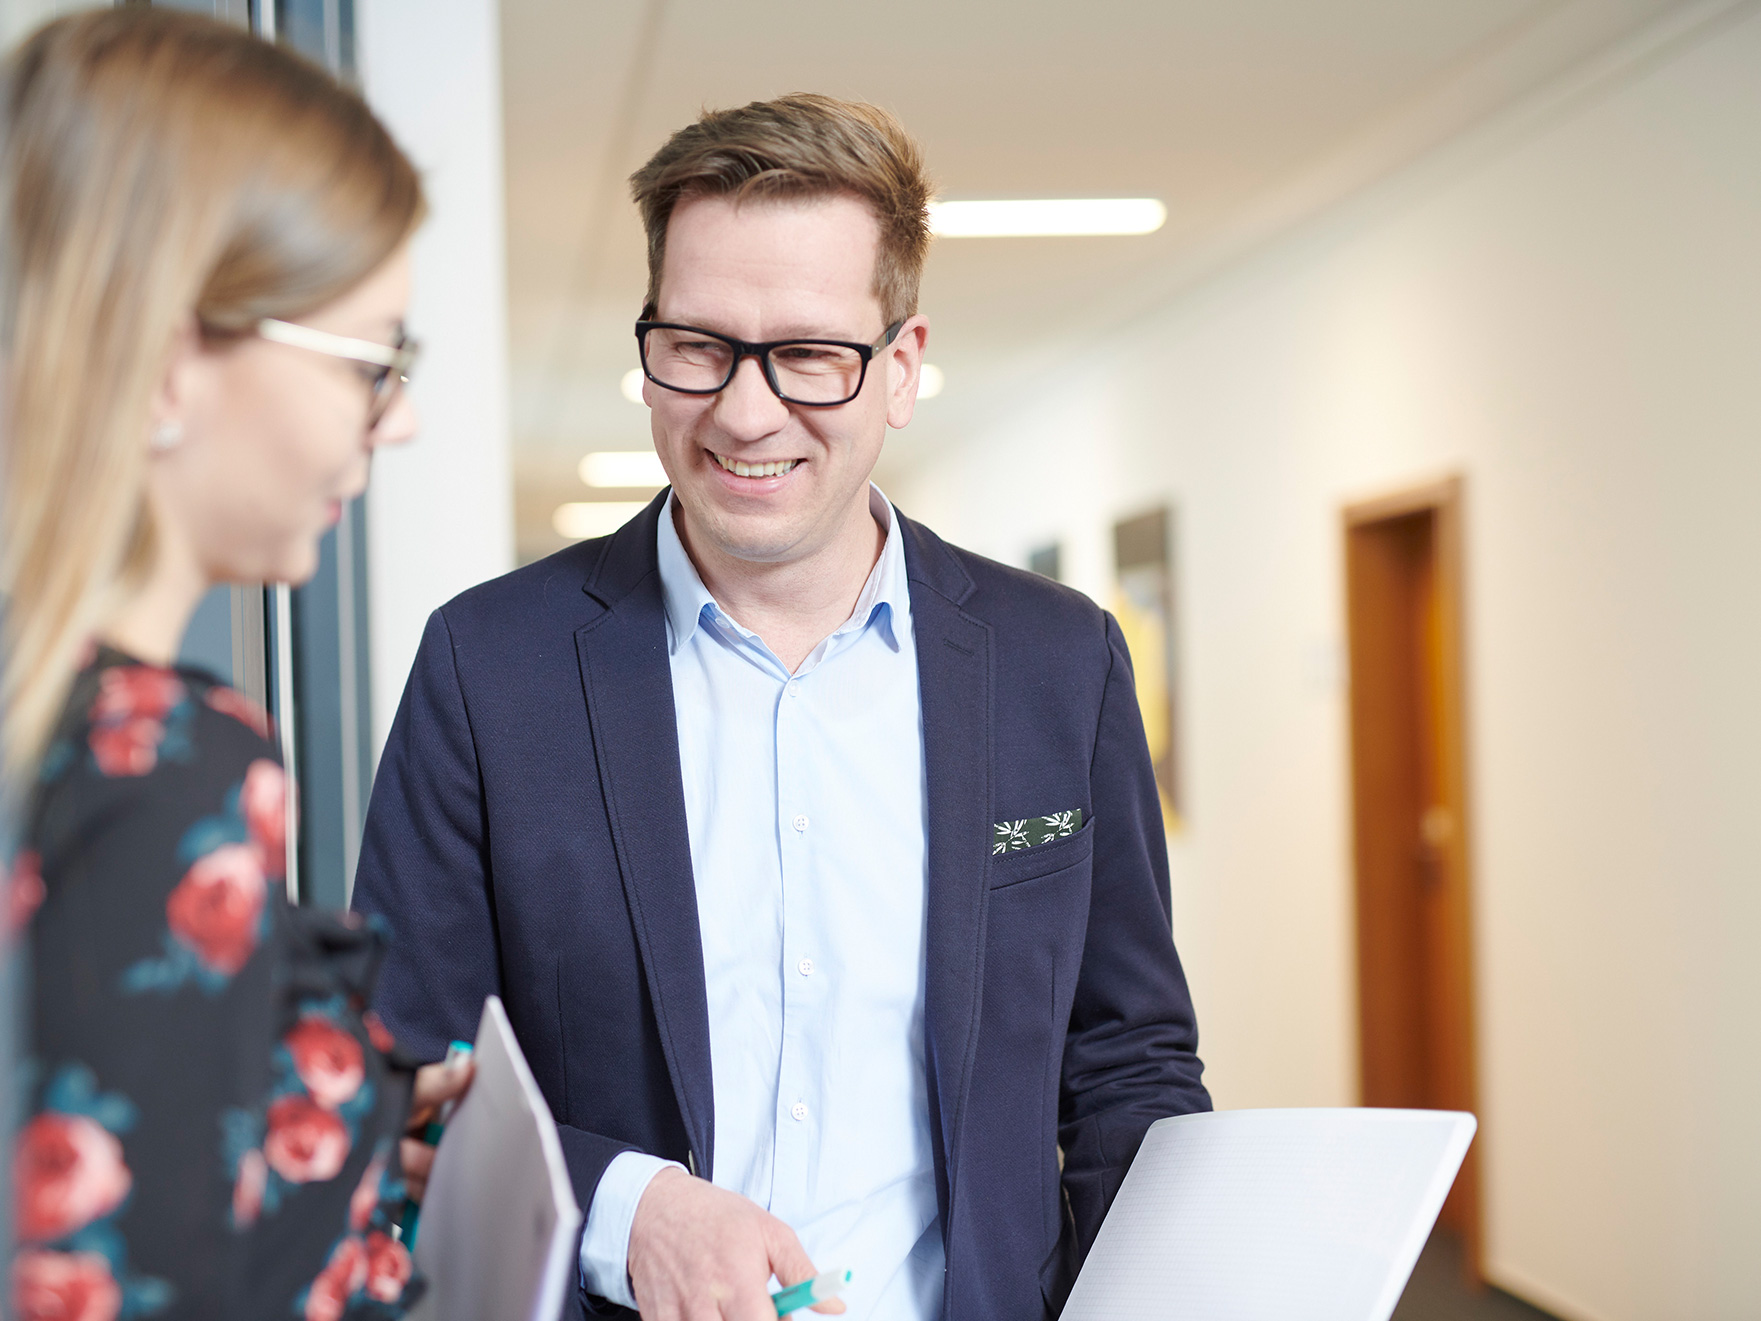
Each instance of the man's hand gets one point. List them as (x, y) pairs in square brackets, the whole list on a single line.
[(701, 1253), (435, 1085)]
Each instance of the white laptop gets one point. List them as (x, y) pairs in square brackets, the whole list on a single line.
[(497, 1232), (1272, 1215)]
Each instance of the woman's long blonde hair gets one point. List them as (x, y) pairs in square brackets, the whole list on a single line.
[(157, 166)]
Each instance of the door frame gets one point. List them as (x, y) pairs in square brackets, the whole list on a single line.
[(1442, 498)]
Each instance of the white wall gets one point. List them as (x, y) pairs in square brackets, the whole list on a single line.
[(19, 18), (440, 511), (1568, 312)]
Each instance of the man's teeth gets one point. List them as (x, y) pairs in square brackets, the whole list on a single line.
[(756, 469)]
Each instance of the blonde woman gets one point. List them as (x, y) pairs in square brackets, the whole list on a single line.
[(208, 249)]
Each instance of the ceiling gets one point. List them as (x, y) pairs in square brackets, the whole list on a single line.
[(1242, 115)]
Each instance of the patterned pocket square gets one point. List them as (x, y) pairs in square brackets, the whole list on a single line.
[(1012, 836)]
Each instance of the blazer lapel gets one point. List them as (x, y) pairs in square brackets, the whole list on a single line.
[(627, 679), (954, 681)]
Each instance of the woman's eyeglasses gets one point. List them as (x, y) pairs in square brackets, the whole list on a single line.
[(391, 363)]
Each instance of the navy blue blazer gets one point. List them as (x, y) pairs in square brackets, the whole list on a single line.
[(527, 838)]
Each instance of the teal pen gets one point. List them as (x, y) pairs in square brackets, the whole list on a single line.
[(817, 1290), (411, 1218)]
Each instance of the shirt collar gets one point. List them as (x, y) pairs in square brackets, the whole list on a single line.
[(686, 598), (681, 585)]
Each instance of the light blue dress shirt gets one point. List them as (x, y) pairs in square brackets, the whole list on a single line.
[(804, 797)]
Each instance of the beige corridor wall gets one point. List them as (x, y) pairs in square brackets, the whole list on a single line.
[(1568, 313), (440, 511)]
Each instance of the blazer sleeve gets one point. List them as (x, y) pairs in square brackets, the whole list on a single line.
[(1131, 1051), (425, 870), (424, 863)]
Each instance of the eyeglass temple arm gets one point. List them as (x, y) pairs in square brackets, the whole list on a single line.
[(337, 346)]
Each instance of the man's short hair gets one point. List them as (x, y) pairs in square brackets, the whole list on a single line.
[(803, 145)]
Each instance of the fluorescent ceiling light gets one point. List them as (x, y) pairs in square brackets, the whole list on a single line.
[(623, 468), (631, 385), (930, 381), (594, 518), (1049, 216)]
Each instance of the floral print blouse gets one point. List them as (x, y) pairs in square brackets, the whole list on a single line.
[(212, 1114)]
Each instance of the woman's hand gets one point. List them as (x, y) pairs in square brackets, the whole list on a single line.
[(436, 1084)]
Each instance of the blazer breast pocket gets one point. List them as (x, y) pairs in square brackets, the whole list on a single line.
[(1056, 855)]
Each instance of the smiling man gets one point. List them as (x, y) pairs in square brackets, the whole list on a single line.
[(819, 863)]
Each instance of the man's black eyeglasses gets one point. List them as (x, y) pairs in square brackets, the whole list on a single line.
[(819, 373)]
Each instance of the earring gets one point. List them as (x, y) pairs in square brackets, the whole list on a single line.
[(166, 436)]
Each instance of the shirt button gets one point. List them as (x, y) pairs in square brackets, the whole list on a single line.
[(800, 822), (794, 689), (806, 966), (799, 1110)]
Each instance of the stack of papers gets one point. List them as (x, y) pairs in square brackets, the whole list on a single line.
[(499, 1219), (1272, 1215)]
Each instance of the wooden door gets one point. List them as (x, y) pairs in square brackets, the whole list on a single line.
[(1414, 930)]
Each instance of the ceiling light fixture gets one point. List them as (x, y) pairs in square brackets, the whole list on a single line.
[(622, 468), (1047, 217), (631, 385), (930, 381), (581, 519)]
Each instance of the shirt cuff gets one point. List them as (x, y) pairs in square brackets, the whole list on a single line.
[(605, 1246)]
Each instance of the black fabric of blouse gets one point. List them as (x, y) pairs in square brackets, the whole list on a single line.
[(212, 1121)]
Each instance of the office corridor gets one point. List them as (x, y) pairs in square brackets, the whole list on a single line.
[(1436, 1291)]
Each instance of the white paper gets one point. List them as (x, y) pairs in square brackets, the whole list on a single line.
[(496, 1237), (1272, 1215)]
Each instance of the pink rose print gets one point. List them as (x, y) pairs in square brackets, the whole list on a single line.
[(366, 1194), (345, 1273), (70, 1172), (378, 1033), (128, 748), (128, 717), (388, 1267), (216, 908), (136, 692), (64, 1286), (262, 801), (306, 1143), (328, 1060), (247, 1189), (231, 702), (24, 892)]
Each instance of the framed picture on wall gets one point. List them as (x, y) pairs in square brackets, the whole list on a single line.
[(1144, 601), (1047, 561)]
